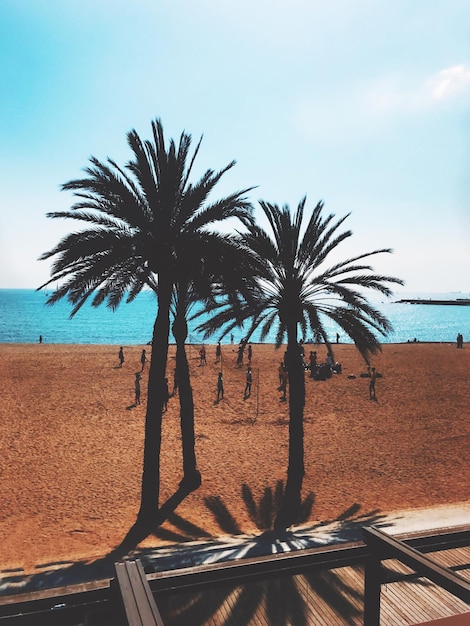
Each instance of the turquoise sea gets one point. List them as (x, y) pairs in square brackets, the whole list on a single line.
[(24, 316)]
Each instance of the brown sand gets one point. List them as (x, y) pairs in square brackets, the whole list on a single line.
[(71, 445)]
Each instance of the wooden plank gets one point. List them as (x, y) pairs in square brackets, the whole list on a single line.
[(454, 620), (457, 559), (137, 598), (353, 577)]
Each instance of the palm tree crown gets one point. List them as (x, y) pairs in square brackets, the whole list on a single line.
[(143, 222), (297, 287)]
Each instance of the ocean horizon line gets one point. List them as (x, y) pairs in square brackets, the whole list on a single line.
[(25, 316)]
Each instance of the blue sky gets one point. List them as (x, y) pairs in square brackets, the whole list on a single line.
[(362, 104)]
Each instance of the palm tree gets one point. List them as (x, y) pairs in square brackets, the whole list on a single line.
[(141, 220), (298, 290)]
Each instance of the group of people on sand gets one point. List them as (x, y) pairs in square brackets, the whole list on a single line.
[(239, 362), (241, 352), (138, 375), (317, 371), (143, 358), (321, 371)]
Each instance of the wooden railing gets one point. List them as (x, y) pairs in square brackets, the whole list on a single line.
[(382, 546)]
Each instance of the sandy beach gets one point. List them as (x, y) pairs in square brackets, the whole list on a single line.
[(72, 442)]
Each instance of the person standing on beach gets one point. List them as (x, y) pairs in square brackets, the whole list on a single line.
[(313, 363), (202, 356), (218, 352), (250, 353), (40, 338), (241, 350), (143, 359), (121, 356), (373, 378), (137, 388), (249, 381), (220, 387)]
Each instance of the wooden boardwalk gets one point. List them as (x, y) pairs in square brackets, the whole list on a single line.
[(326, 598), (312, 587)]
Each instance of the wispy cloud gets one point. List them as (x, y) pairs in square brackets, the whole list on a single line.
[(447, 85), (450, 82), (362, 110)]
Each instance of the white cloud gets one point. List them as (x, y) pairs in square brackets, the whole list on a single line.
[(450, 82), (359, 110)]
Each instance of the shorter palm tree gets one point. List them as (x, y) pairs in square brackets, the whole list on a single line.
[(296, 289)]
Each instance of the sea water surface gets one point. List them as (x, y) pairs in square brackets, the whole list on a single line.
[(24, 316)]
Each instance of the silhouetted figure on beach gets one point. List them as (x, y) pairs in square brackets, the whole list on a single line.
[(337, 337), (137, 388), (460, 340), (40, 338), (313, 363), (143, 359), (373, 378), (249, 381), (220, 387), (218, 352), (121, 356), (202, 356), (250, 353), (241, 352)]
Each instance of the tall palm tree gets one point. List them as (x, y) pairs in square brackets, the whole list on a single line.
[(140, 222), (297, 289)]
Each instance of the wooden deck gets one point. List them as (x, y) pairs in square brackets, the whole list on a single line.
[(314, 587), (325, 598)]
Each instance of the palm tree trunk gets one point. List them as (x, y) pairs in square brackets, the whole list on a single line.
[(150, 490), (290, 507), (191, 475)]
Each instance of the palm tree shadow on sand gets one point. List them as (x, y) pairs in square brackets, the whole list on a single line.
[(285, 600), (60, 573)]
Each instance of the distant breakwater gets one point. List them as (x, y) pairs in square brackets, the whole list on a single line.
[(457, 302)]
